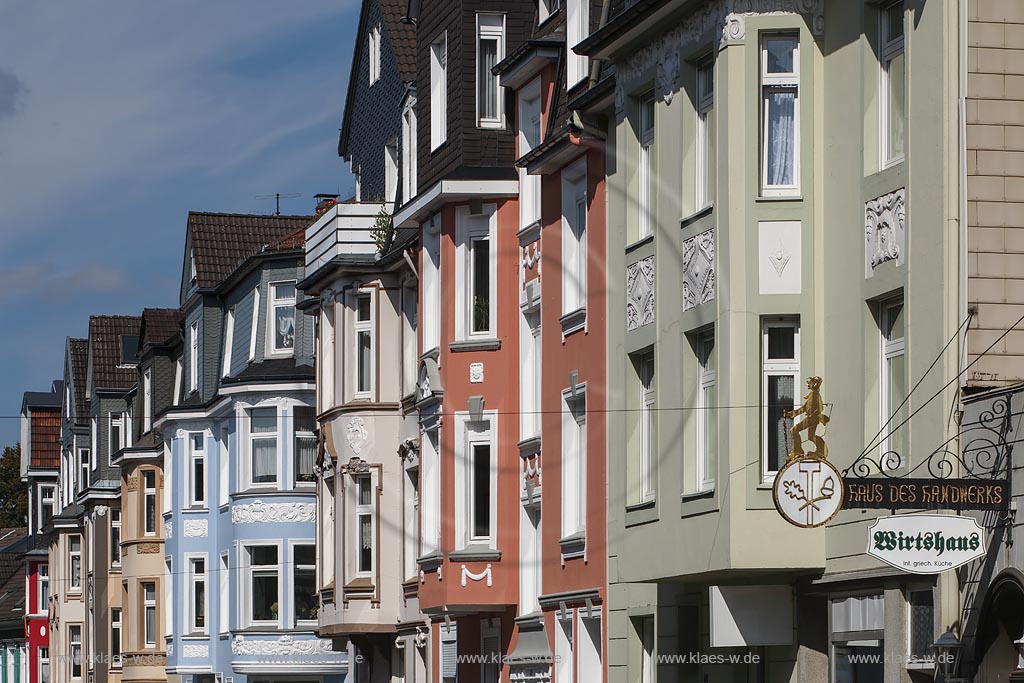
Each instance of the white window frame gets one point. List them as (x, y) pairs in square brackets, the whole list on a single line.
[(471, 434), (912, 661), (707, 410), (577, 27), (430, 491), (297, 434), (780, 82), (367, 327), (529, 135), (149, 492), (193, 356), (229, 340), (391, 171), (250, 573), (530, 378), (115, 523), (255, 321), (574, 461), (648, 427), (293, 546), (431, 284), (116, 420), (75, 641), (224, 598), (274, 303), (565, 645), (149, 639), (891, 349), (439, 91), (471, 228), (777, 368), (47, 500), (589, 660), (42, 579), (574, 237), (84, 458), (253, 436), (647, 109), (195, 579), (490, 27), (889, 48), (373, 43), (197, 491), (147, 411), (94, 441), (705, 125), (44, 664), (116, 625), (358, 510), (409, 157)]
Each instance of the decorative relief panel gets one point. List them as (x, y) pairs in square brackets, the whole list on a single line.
[(698, 269), (640, 293), (285, 645), (258, 511), (195, 650), (147, 548), (196, 528), (484, 575), (885, 232), (133, 482), (168, 529), (357, 435), (476, 373), (778, 257)]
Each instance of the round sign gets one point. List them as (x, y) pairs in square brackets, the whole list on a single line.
[(808, 492)]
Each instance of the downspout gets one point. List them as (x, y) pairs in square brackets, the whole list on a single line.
[(595, 68), (962, 223)]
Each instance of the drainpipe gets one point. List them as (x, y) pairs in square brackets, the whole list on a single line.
[(962, 223), (596, 66)]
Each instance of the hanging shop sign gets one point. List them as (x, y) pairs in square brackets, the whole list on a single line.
[(926, 494), (926, 544)]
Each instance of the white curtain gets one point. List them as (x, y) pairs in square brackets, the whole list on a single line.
[(781, 130), (264, 460), (306, 448)]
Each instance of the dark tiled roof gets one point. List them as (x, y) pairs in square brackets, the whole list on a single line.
[(14, 543), (42, 399), (45, 427), (78, 349), (159, 325), (108, 372), (402, 36), (275, 369), (223, 241)]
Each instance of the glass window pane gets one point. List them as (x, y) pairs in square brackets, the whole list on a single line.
[(859, 663), (284, 327), (264, 597), (893, 21), (305, 592), (781, 143), (781, 343), (488, 82), (305, 452), (897, 104), (363, 307), (894, 322), (263, 420), (481, 490), (481, 284), (922, 624), (897, 368), (780, 55), (264, 460), (305, 555), (780, 399), (365, 543), (284, 291), (364, 350), (263, 555), (364, 490)]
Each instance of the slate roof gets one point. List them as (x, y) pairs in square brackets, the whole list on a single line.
[(13, 545), (272, 369), (108, 372), (79, 351), (43, 399), (403, 38), (159, 326), (221, 242)]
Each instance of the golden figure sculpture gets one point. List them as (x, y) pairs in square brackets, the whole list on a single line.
[(813, 412)]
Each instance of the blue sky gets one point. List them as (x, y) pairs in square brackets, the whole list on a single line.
[(116, 119)]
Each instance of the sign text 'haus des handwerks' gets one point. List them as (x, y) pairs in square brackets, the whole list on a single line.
[(925, 494)]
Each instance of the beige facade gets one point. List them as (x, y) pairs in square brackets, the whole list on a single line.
[(67, 604)]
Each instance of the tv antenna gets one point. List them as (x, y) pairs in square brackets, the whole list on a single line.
[(277, 197)]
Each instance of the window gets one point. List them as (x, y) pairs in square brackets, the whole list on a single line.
[(893, 83), (263, 583), (44, 665), (197, 594), (490, 648), (43, 582), (574, 238), (75, 561), (263, 446), (430, 523), (193, 277), (564, 659), (229, 340), (47, 502), (116, 432), (921, 633), (364, 345), (707, 411), (449, 664), (409, 150), (373, 42), (197, 470), (431, 284), (480, 492), (476, 284), (149, 502), (705, 132), (780, 372), (149, 614), (256, 315), (115, 636), (193, 356), (75, 654), (576, 29), (574, 462), (364, 518), (780, 115), (282, 317), (529, 138), (645, 629), (439, 91), (645, 168), (115, 538), (644, 443), (894, 378), (531, 553), (490, 50), (857, 647), (357, 174), (391, 171), (305, 444), (223, 601), (225, 455), (476, 475), (304, 582), (168, 598), (410, 343), (530, 367), (147, 411), (411, 522), (83, 462)]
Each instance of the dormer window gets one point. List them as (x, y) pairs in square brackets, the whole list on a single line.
[(193, 277), (374, 54), (282, 318)]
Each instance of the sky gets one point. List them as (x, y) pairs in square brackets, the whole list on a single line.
[(116, 119)]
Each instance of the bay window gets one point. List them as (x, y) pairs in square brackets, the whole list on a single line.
[(84, 456), (263, 446), (115, 637), (47, 503), (147, 395), (149, 502), (577, 27), (640, 474), (438, 91), (409, 150), (373, 45), (43, 581), (780, 373), (490, 51), (229, 340), (430, 504), (780, 114), (304, 583), (256, 317), (304, 423), (363, 516), (115, 538), (116, 431), (430, 280), (529, 138), (476, 481), (262, 583), (892, 83), (282, 318)]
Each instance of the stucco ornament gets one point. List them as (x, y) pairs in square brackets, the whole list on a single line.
[(884, 230), (640, 293), (195, 650), (531, 258), (285, 645), (101, 510), (779, 258), (196, 528), (357, 434), (476, 373), (258, 511), (355, 466), (168, 529), (133, 482), (147, 548), (698, 269), (485, 574)]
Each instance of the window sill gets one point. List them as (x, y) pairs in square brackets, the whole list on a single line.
[(633, 246), (697, 215), (475, 554), (483, 344), (433, 353), (697, 495), (573, 321), (430, 561), (779, 198), (360, 586), (529, 446), (529, 233), (196, 636), (574, 545), (195, 510)]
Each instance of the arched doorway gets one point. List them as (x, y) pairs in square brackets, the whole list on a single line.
[(1001, 623)]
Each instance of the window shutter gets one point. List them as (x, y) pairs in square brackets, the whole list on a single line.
[(449, 652)]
